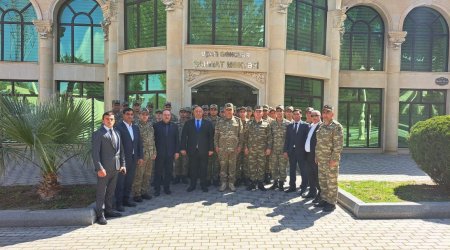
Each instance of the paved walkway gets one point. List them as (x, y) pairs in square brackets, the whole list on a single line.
[(353, 167)]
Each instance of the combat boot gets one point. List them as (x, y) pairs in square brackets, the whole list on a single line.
[(232, 187), (223, 186), (267, 177), (261, 186), (281, 185), (176, 180), (251, 186), (274, 186)]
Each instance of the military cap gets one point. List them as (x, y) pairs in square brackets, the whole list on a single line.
[(168, 104), (114, 102), (205, 107), (150, 105), (290, 108), (145, 110), (158, 111), (228, 105), (265, 107), (125, 103), (309, 109), (213, 106), (194, 106), (241, 108), (136, 104), (258, 107), (182, 109), (187, 109), (280, 107), (271, 108), (249, 109), (328, 107)]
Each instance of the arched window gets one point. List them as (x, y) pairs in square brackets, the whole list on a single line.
[(18, 37), (363, 42), (307, 26), (145, 23), (426, 45), (230, 22), (80, 35)]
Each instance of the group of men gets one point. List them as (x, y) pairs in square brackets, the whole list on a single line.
[(239, 146)]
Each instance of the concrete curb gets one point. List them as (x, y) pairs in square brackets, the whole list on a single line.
[(47, 218), (397, 210)]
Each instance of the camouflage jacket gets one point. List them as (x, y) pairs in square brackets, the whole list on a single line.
[(118, 117), (330, 141), (214, 120), (173, 118), (228, 134), (279, 134), (259, 135), (148, 139)]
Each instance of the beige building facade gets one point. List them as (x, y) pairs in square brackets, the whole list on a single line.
[(249, 75)]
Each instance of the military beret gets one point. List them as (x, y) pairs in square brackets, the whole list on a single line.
[(280, 107), (328, 107), (228, 105)]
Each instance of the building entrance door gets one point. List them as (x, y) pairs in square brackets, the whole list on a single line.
[(223, 91)]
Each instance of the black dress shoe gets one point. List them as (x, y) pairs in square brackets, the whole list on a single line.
[(251, 186), (190, 189), (261, 186), (274, 186), (112, 214), (310, 195), (137, 198), (302, 191), (321, 204), (129, 204), (157, 193), (167, 191), (120, 208), (101, 220), (290, 190), (146, 197), (205, 189), (317, 199), (329, 208)]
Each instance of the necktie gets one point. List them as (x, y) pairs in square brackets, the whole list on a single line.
[(295, 127), (197, 125), (113, 138)]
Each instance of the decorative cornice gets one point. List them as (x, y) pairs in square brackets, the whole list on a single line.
[(109, 10), (396, 38), (44, 28), (280, 6), (339, 17), (190, 75), (172, 4)]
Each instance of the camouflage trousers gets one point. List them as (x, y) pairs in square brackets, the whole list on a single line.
[(328, 182), (227, 162), (278, 166), (256, 164), (241, 165), (181, 166), (213, 168), (267, 165), (141, 184)]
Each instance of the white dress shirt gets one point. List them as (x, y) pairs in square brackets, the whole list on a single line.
[(130, 130), (308, 139)]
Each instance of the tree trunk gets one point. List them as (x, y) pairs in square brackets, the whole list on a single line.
[(49, 186)]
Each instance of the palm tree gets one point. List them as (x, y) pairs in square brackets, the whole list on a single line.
[(47, 135)]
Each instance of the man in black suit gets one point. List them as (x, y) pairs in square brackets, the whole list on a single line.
[(310, 148), (197, 138), (294, 149), (108, 158), (134, 154), (167, 148)]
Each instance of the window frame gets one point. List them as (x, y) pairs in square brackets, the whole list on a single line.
[(146, 91), (301, 95)]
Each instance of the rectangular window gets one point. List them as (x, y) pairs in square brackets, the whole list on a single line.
[(360, 115), (301, 92), (28, 90), (146, 88), (418, 105)]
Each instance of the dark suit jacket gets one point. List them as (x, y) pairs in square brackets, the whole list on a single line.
[(298, 139), (105, 155), (130, 145), (166, 145), (204, 139), (313, 142)]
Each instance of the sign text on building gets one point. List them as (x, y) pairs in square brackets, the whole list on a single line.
[(225, 64)]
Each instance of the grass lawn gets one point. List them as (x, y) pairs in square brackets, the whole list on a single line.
[(383, 191), (25, 197)]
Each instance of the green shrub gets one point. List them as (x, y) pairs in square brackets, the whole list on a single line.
[(429, 144)]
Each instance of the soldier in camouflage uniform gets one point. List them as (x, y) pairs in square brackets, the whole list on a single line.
[(117, 112), (258, 145), (228, 139), (330, 140), (158, 116), (213, 162), (278, 163), (289, 113), (272, 113), (249, 113), (268, 119), (205, 111), (141, 184), (151, 117), (181, 169), (136, 112), (242, 159)]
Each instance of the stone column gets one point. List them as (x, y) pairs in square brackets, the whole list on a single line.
[(174, 71), (46, 86), (112, 87), (277, 51), (391, 114), (336, 19)]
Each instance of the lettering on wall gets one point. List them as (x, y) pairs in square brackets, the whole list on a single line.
[(221, 61)]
